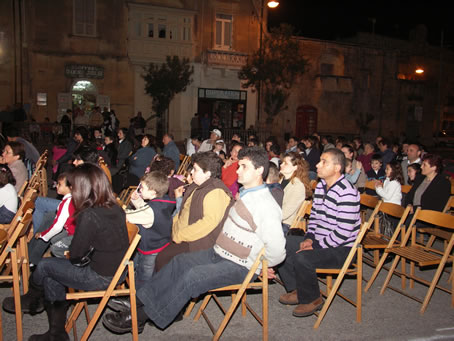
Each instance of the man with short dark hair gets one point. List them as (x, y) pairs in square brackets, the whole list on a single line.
[(386, 152), (31, 152), (171, 150), (253, 223), (332, 229), (413, 156)]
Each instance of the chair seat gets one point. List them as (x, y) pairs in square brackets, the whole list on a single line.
[(416, 254)]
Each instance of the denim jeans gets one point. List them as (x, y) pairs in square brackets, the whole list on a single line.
[(43, 206), (298, 270), (6, 216), (144, 268), (56, 274), (37, 247), (186, 276)]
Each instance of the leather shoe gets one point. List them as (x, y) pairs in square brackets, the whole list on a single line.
[(290, 298), (121, 322), (119, 303), (303, 310)]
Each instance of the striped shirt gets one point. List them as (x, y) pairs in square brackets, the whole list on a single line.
[(335, 215)]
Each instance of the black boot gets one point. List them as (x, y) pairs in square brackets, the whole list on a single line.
[(56, 315), (31, 303), (119, 303), (121, 322)]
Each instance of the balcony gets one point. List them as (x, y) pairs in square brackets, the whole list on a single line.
[(229, 59)]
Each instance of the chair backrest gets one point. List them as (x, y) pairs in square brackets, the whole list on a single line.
[(300, 219), (18, 229), (368, 200), (406, 188), (132, 231), (28, 202), (395, 211), (370, 185), (449, 205), (313, 184), (439, 219), (102, 163)]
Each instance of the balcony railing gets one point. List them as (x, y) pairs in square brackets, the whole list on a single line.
[(225, 58)]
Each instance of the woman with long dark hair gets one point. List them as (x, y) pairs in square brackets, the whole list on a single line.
[(296, 186), (99, 243)]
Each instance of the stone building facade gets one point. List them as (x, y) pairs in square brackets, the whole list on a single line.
[(55, 55)]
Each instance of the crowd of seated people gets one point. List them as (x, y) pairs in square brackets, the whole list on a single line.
[(194, 228)]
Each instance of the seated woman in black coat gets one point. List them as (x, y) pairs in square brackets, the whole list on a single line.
[(100, 233), (432, 190)]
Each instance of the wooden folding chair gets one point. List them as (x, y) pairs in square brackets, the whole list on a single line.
[(313, 184), (435, 232), (368, 202), (240, 289), (377, 241), (112, 290), (348, 269), (185, 161), (102, 163), (406, 188), (125, 196), (14, 263), (422, 256), (300, 221)]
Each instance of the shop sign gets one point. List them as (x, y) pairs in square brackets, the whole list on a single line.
[(84, 71), (222, 94)]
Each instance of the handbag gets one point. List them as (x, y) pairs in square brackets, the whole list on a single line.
[(386, 224), (84, 260)]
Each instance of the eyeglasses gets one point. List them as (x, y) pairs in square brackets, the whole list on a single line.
[(8, 152)]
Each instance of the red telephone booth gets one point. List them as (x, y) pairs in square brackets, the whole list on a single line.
[(306, 120)]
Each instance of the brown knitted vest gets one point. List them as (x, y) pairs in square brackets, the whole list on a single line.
[(196, 211)]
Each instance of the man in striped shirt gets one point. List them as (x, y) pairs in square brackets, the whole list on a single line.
[(332, 229)]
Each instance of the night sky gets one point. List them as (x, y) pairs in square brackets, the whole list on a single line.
[(339, 19)]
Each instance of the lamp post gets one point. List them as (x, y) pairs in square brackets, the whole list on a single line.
[(270, 4)]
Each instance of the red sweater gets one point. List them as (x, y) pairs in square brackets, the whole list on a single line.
[(63, 219)]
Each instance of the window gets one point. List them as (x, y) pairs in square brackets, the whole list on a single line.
[(84, 15), (186, 34), (223, 31)]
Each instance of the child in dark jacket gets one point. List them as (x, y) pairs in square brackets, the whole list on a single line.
[(154, 219), (376, 173)]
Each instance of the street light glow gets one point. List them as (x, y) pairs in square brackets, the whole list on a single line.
[(273, 4), (419, 71)]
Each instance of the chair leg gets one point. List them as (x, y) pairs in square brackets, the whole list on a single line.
[(359, 281), (190, 307), (132, 297), (265, 301), (376, 271), (390, 274), (16, 294), (433, 284), (206, 299)]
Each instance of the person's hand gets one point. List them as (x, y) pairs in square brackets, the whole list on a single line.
[(135, 195), (271, 273), (359, 165), (228, 162), (37, 235), (411, 209), (2, 159), (378, 183), (305, 245), (179, 191)]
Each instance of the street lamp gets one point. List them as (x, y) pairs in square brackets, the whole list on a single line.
[(419, 71), (270, 4)]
